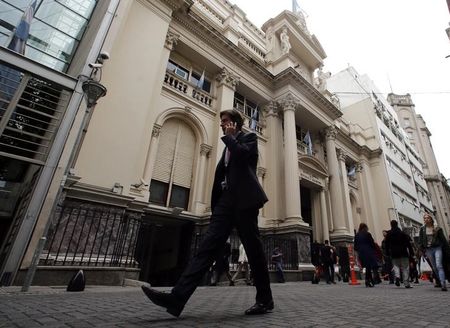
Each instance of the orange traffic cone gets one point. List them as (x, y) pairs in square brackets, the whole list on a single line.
[(353, 280)]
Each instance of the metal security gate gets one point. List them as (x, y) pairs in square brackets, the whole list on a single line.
[(31, 111)]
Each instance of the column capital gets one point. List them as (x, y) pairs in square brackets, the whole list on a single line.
[(156, 130), (227, 78), (330, 133), (341, 155), (205, 149), (288, 103), (171, 40), (270, 109), (261, 171), (358, 167)]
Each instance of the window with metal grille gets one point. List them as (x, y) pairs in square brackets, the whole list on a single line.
[(31, 109)]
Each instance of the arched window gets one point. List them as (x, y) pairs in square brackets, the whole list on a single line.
[(171, 180)]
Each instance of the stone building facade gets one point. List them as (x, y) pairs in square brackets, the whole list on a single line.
[(131, 192)]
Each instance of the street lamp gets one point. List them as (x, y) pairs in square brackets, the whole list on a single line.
[(93, 91)]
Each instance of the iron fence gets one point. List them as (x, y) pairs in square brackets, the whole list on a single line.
[(90, 234), (287, 246)]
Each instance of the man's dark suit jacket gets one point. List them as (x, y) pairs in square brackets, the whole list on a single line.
[(240, 172)]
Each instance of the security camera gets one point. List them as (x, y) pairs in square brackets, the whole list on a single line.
[(95, 65), (104, 55)]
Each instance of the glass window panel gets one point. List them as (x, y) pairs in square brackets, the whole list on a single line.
[(9, 16), (46, 60), (158, 192), (61, 18), (171, 66), (195, 78), (82, 7), (179, 197), (21, 4), (51, 41)]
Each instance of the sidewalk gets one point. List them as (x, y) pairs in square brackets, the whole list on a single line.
[(297, 304)]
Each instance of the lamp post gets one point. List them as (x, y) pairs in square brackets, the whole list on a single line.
[(93, 91)]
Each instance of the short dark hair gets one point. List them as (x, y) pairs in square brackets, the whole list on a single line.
[(394, 224), (363, 226), (235, 117), (326, 241)]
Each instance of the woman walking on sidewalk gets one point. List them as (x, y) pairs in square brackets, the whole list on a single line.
[(365, 246), (432, 243)]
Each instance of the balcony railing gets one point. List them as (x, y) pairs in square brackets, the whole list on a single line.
[(186, 88)]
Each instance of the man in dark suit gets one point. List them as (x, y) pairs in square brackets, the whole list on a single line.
[(236, 199)]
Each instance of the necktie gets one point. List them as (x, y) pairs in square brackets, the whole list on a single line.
[(227, 156)]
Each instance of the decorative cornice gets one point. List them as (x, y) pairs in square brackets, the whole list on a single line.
[(291, 76), (156, 130), (227, 78), (171, 40), (202, 29), (177, 4)]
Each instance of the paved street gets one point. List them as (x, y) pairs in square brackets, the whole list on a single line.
[(297, 304)]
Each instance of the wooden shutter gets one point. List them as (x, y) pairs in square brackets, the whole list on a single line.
[(166, 151), (184, 161)]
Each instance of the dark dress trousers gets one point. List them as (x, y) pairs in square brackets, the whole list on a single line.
[(234, 205)]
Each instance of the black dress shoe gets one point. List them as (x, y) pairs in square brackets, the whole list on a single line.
[(166, 300), (260, 308)]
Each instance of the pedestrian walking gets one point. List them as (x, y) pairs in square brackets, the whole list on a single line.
[(242, 266), (365, 246), (388, 273), (432, 242), (327, 258), (222, 265), (277, 259), (399, 248), (236, 199)]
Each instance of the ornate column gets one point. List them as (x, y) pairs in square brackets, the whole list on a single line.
[(274, 135), (324, 215), (226, 86), (291, 178), (227, 82), (200, 186), (337, 208), (345, 192), (367, 187), (261, 173), (151, 157)]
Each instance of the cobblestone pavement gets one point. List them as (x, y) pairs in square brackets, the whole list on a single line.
[(297, 304)]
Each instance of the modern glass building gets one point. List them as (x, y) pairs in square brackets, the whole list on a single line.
[(55, 31), (40, 96)]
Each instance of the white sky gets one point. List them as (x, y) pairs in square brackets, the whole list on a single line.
[(403, 41)]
